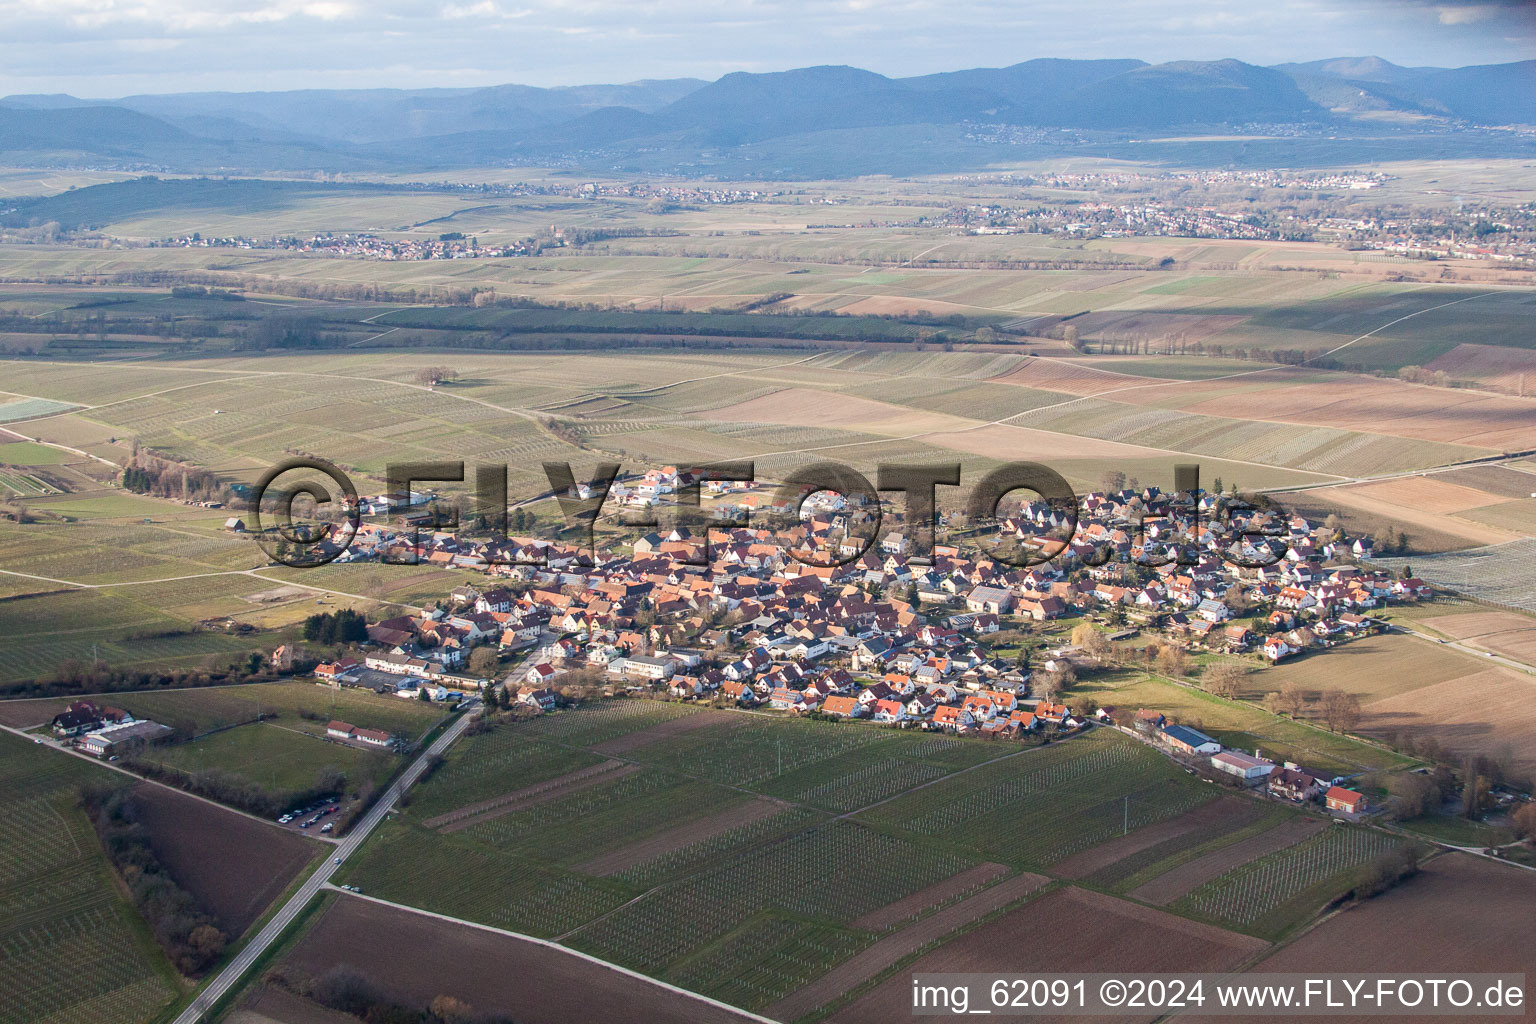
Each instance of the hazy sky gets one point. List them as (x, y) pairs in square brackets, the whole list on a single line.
[(108, 48)]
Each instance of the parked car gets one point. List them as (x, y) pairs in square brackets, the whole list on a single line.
[(328, 826), (285, 819)]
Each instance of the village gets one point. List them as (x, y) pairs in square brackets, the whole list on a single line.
[(953, 641)]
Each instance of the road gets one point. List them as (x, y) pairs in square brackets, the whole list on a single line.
[(1477, 652), (229, 977)]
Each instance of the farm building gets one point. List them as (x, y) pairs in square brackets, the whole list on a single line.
[(1347, 800), (1243, 766), (114, 739), (1189, 741), (346, 731)]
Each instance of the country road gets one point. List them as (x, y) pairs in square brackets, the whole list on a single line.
[(232, 973), (1478, 652)]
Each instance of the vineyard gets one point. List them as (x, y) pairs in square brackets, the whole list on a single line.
[(1252, 896), (606, 720), (454, 875), (71, 951), (830, 873), (1042, 805), (767, 959), (752, 750)]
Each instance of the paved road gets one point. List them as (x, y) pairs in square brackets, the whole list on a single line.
[(234, 971), (1477, 652)]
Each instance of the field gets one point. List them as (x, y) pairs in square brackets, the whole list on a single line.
[(1239, 724), (232, 865), (1089, 932), (1444, 920), (416, 958), (62, 908), (1267, 895), (1500, 574), (1504, 633), (671, 841)]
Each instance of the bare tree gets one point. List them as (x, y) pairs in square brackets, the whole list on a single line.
[(1226, 679), (1171, 661), (1290, 699), (1341, 711)]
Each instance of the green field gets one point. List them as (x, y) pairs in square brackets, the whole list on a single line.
[(1239, 724), (74, 951), (869, 816), (25, 453)]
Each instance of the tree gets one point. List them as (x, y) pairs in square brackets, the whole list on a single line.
[(1291, 699), (1341, 711), (1226, 679), (483, 661), (1090, 640), (253, 662), (1412, 794), (1113, 480), (1171, 661), (1474, 790), (451, 1010), (1524, 820)]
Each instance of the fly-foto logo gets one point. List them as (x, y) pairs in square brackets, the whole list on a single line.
[(825, 514)]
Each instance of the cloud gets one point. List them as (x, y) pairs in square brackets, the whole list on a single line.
[(1465, 15)]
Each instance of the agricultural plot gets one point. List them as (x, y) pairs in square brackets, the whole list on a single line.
[(60, 907), (1444, 920), (1088, 932), (656, 932), (1500, 573), (1269, 894), (418, 958), (1011, 810)]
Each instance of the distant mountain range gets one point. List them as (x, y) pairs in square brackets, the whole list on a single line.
[(781, 123)]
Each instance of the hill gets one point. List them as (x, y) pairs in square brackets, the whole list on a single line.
[(816, 121)]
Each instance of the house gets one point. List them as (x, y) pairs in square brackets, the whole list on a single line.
[(542, 698), (842, 707), (889, 711), (83, 716), (1291, 784), (234, 524), (1189, 741), (1243, 766), (330, 672), (1150, 722), (1347, 800), (540, 674), (952, 719), (1276, 649), (347, 732)]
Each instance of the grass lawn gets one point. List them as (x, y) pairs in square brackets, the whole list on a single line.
[(1459, 831), (1237, 724), (25, 453), (274, 756)]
